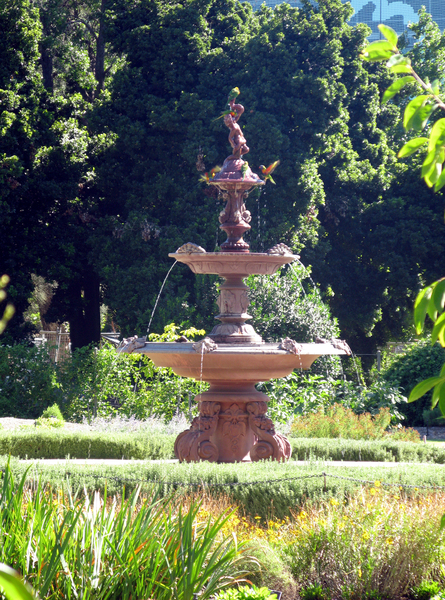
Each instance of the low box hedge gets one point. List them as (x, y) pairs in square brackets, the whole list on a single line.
[(364, 450), (49, 443), (266, 489)]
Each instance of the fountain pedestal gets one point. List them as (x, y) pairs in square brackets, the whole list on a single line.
[(232, 427)]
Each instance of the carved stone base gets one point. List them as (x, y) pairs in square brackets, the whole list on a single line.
[(232, 427)]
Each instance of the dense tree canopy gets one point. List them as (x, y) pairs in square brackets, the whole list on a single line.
[(99, 147)]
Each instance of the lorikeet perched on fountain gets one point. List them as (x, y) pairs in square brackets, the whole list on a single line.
[(210, 175), (229, 111), (267, 171), (233, 94), (244, 169)]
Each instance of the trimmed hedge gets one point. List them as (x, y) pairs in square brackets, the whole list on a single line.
[(46, 443), (367, 450), (265, 489)]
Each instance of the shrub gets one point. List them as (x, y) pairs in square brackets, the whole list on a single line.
[(302, 393), (52, 412), (338, 421), (420, 361), (102, 383), (49, 422), (246, 593), (28, 381), (281, 307), (426, 590)]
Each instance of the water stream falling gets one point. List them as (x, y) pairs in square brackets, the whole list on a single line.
[(159, 295)]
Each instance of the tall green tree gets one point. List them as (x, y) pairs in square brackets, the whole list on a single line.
[(310, 102)]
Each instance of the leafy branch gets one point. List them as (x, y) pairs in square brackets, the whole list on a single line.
[(419, 109), (431, 300)]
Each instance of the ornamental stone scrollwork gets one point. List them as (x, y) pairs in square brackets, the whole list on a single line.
[(290, 346), (205, 346), (128, 345), (270, 444), (194, 444), (234, 425), (338, 344), (190, 248), (280, 249)]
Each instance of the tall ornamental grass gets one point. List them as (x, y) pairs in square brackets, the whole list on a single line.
[(374, 544), (98, 548)]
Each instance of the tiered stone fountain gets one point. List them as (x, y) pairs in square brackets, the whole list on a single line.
[(232, 424)]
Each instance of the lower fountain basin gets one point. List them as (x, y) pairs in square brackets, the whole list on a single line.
[(229, 363)]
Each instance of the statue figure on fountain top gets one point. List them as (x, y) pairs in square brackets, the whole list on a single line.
[(236, 136)]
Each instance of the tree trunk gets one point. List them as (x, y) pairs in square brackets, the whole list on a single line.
[(84, 321), (100, 51), (46, 60)]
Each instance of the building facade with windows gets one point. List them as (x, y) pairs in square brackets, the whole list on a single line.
[(395, 13)]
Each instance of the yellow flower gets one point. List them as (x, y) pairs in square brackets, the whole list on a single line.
[(359, 572), (334, 502), (377, 483), (390, 541), (372, 491), (365, 535)]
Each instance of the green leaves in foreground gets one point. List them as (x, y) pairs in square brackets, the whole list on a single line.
[(149, 547), (419, 109), (431, 301), (13, 587)]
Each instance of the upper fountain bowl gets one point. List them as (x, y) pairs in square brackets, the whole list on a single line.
[(229, 264)]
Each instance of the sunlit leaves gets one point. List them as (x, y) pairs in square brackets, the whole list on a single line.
[(414, 111), (389, 34), (437, 135), (396, 87), (431, 301), (382, 49), (13, 587), (425, 386), (412, 146)]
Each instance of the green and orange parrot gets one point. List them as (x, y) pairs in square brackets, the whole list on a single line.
[(207, 177), (244, 169), (226, 112), (267, 172)]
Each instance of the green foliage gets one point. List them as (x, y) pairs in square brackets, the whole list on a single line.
[(315, 592), (9, 309), (103, 383), (52, 412), (338, 421), (49, 422), (12, 585), (28, 381), (302, 393), (154, 547), (389, 449), (405, 371), (426, 590), (285, 305), (245, 592)]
